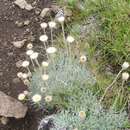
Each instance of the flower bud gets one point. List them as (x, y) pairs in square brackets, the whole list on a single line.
[(125, 76), (125, 65)]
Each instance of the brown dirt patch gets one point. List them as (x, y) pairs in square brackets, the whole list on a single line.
[(9, 55)]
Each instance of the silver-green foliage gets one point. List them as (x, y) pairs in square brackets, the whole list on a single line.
[(96, 117), (63, 73)]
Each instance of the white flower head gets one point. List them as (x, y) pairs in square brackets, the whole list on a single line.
[(75, 129), (24, 76), (48, 98), (29, 46), (25, 63), (29, 52), (25, 92), (125, 65), (125, 76), (82, 114), (36, 98), (70, 39), (45, 64), (20, 74), (21, 96), (61, 19), (34, 55), (26, 82), (43, 38), (43, 25), (51, 50), (83, 59), (52, 24), (45, 77)]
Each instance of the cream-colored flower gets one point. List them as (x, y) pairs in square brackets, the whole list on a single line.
[(29, 46), (48, 98), (43, 38), (82, 114), (20, 74), (75, 129), (34, 55), (26, 92), (25, 63), (52, 24), (125, 65), (36, 98), (45, 64), (45, 77), (83, 59), (21, 96), (24, 76), (70, 39), (125, 76), (26, 82), (29, 52), (43, 25), (51, 50), (61, 19)]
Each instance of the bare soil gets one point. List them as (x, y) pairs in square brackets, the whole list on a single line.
[(9, 55)]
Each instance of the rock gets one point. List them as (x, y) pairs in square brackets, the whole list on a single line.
[(46, 123), (10, 53), (10, 107), (26, 22), (19, 44), (37, 11), (19, 24), (4, 120), (23, 4), (68, 12), (45, 12)]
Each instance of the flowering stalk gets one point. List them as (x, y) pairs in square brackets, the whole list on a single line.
[(125, 77), (33, 64), (110, 86), (52, 36), (118, 95), (52, 25), (37, 62), (63, 31)]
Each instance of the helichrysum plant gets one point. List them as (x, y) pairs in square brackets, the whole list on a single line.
[(64, 80), (86, 113)]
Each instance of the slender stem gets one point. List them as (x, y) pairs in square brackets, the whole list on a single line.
[(44, 31), (69, 49), (63, 31), (33, 64), (52, 36), (38, 64), (110, 86), (45, 45), (118, 96), (28, 70)]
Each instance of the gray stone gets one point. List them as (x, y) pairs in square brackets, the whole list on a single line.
[(19, 44), (4, 120), (27, 22), (23, 4), (10, 107), (45, 12)]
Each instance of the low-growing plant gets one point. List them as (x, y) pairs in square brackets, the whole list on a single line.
[(85, 112), (63, 80)]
